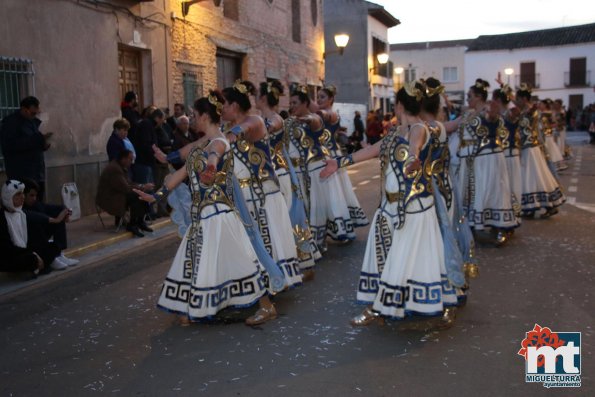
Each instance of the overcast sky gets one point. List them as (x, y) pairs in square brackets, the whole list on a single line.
[(464, 19)]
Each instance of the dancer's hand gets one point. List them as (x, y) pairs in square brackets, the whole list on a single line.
[(144, 196), (207, 177), (412, 167), (159, 155), (329, 169)]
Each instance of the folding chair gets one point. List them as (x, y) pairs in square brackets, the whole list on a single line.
[(120, 224)]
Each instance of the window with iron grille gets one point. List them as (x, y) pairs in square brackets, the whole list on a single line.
[(409, 75), (192, 88), (16, 82), (296, 21)]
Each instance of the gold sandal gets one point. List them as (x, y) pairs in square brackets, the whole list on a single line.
[(262, 315), (367, 317)]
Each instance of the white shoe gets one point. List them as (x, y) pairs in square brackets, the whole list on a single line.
[(68, 261), (57, 264)]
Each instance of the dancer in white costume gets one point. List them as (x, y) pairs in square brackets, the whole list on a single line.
[(332, 122), (267, 100), (403, 273), (329, 211), (216, 265), (254, 169), (546, 131), (483, 175), (560, 128), (540, 187), (512, 146)]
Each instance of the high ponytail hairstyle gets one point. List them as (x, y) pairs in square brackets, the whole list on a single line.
[(410, 96), (272, 90), (301, 91), (211, 105), (240, 93), (430, 102), (480, 89)]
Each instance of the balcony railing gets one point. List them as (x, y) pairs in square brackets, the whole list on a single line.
[(532, 80), (577, 79)]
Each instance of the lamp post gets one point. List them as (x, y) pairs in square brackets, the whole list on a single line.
[(341, 40), (508, 72)]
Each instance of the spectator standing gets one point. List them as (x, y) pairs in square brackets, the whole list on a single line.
[(23, 145), (373, 128), (143, 140), (179, 111), (118, 140), (115, 195), (358, 124), (50, 217), (129, 108)]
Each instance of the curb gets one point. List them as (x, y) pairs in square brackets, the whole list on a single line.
[(85, 249)]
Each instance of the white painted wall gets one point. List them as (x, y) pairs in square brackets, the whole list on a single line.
[(550, 63), (381, 86), (430, 63)]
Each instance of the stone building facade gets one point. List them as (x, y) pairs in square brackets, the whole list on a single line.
[(79, 57)]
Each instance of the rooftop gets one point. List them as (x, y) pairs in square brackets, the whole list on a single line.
[(535, 38), (379, 12), (427, 45)]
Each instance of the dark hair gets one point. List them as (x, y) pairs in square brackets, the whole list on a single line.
[(431, 104), (330, 91), (521, 93), (272, 90), (501, 95), (129, 96), (204, 105), (480, 88), (29, 102), (157, 113), (181, 105), (284, 114), (123, 154), (121, 124), (232, 95), (410, 103), (303, 97), (30, 184)]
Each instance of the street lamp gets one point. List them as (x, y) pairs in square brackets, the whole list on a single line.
[(341, 40), (382, 58), (508, 72)]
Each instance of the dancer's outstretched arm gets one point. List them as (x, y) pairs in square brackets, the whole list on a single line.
[(332, 165), (171, 182)]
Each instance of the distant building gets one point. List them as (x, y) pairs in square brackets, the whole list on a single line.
[(556, 62), (362, 82), (444, 60)]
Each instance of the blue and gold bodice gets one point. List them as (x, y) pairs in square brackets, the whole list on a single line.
[(330, 140), (308, 142), (529, 129), (546, 123), (440, 161), (513, 144), (486, 136), (219, 192), (278, 142), (415, 187)]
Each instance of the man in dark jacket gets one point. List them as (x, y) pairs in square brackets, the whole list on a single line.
[(143, 140), (129, 108), (115, 195), (23, 145)]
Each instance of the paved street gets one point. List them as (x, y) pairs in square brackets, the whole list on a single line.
[(97, 332)]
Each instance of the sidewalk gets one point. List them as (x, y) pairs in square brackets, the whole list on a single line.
[(90, 242)]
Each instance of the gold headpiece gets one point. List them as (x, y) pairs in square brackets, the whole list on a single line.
[(301, 88), (413, 91), (239, 86), (506, 89), (525, 87), (271, 89), (430, 92), (331, 88), (215, 102), (481, 86)]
